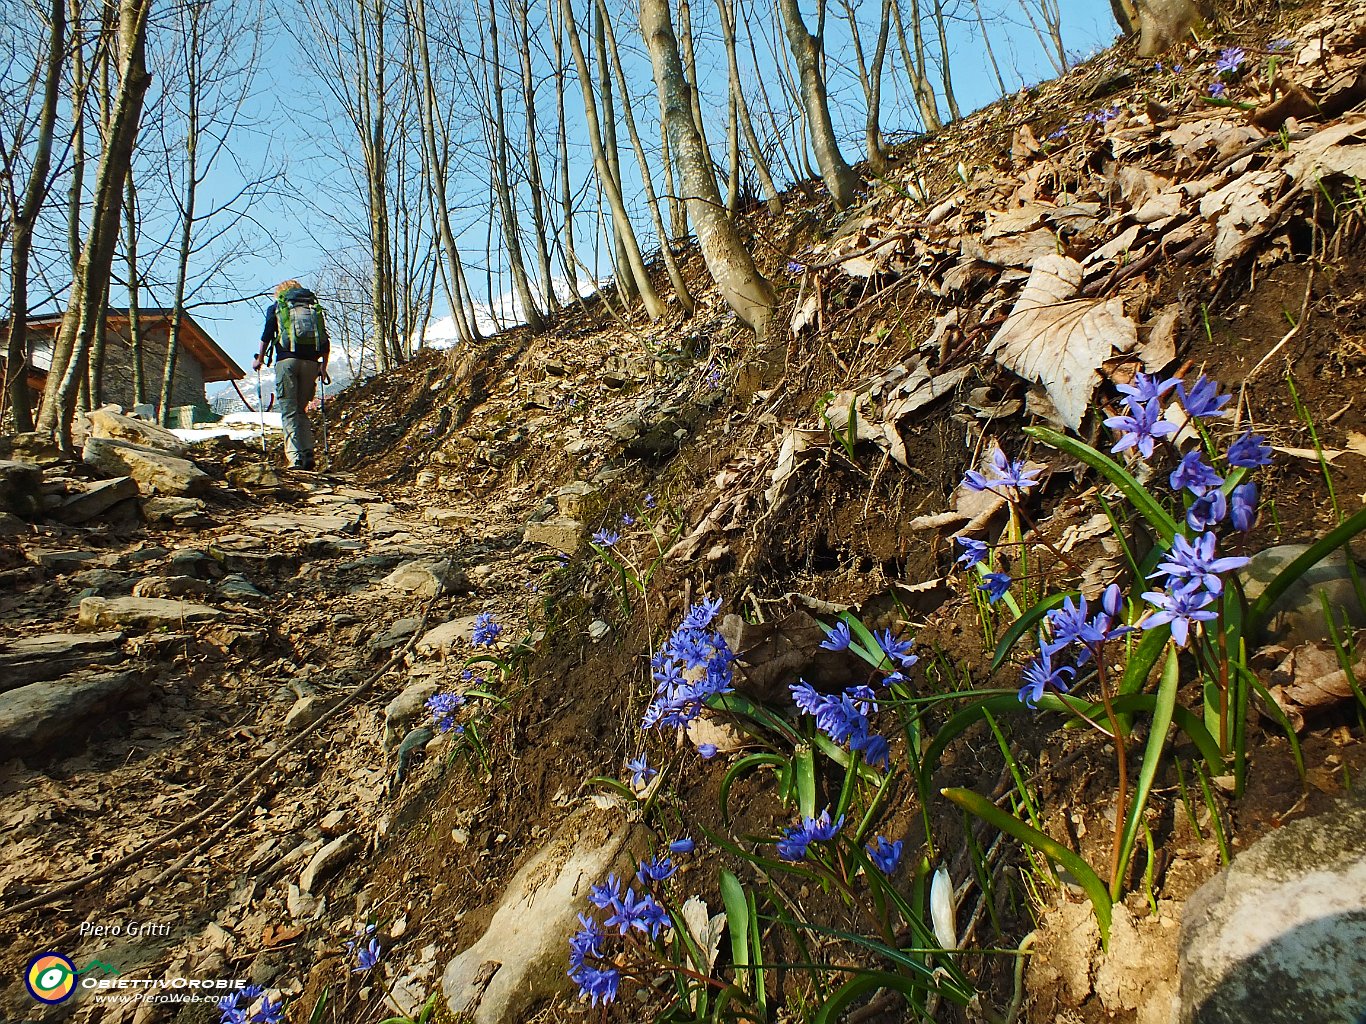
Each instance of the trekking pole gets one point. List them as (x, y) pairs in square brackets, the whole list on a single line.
[(261, 412), (322, 405)]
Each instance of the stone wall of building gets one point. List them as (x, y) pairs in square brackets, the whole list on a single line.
[(188, 387)]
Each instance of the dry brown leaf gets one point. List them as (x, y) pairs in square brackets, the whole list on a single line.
[(278, 935), (1061, 341), (1330, 152), (1238, 208), (1019, 250), (1310, 678)]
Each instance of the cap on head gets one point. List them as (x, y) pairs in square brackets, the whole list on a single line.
[(285, 286)]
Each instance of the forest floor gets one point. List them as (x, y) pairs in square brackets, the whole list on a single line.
[(241, 810)]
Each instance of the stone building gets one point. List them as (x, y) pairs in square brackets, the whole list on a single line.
[(200, 361)]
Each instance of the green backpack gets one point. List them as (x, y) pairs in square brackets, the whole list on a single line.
[(302, 334)]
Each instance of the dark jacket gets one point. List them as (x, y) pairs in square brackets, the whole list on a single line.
[(270, 333)]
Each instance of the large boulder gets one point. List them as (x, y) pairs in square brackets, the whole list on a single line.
[(109, 423), (1297, 615), (1279, 937), (40, 717), (520, 959), (39, 658), (97, 499), (156, 472)]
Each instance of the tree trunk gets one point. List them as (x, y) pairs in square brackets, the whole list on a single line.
[(535, 184), (685, 299), (916, 62), (728, 261), (945, 63), (726, 9), (1164, 23), (24, 219), (839, 178), (621, 221), (568, 257), (625, 276), (73, 337)]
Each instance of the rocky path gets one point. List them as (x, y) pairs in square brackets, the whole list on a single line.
[(201, 722)]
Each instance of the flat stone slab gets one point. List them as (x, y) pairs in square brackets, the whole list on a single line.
[(97, 499), (144, 612), (559, 533), (424, 578), (156, 472), (304, 524), (39, 658), (444, 639), (526, 941), (39, 718), (1279, 937)]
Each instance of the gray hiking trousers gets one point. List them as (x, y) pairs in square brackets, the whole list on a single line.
[(296, 380)]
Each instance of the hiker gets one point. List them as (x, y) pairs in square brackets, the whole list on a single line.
[(295, 340)]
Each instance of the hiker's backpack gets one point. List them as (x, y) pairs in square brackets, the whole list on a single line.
[(301, 328)]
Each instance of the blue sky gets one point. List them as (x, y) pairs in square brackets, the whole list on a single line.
[(297, 119)]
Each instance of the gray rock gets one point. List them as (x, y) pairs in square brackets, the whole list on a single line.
[(254, 476), (396, 634), (63, 561), (403, 710), (110, 424), (156, 472), (424, 578), (579, 500), (37, 447), (305, 711), (97, 499), (39, 718), (101, 580), (19, 488), (143, 612), (236, 587), (39, 658), (170, 586), (519, 960), (12, 526), (304, 524), (174, 511), (1279, 937), (329, 860), (559, 533), (1297, 616), (443, 640)]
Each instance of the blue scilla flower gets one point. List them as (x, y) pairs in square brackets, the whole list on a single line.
[(897, 650), (1141, 428), (597, 986), (588, 941), (707, 750), (485, 631), (1194, 475), (639, 912), (797, 839), (269, 1012), (640, 770), (974, 552), (444, 708), (656, 869), (884, 854), (1249, 451), (648, 502), (701, 614), (1242, 506), (692, 666), (1195, 560), (995, 585), (841, 718), (1277, 45), (606, 538), (1183, 607), (684, 844), (794, 268), (1203, 400), (603, 894), (1073, 624), (367, 957), (1005, 474), (838, 637), (1230, 60), (1040, 676), (1218, 90), (1144, 389), (1210, 509)]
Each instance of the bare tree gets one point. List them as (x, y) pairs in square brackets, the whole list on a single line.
[(728, 261), (22, 214), (91, 279), (870, 77), (726, 9), (838, 176), (1049, 32), (917, 65), (620, 220)]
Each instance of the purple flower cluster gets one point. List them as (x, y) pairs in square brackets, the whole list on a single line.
[(1007, 475), (886, 855), (797, 839), (1076, 630), (606, 538), (1101, 116), (693, 665), (236, 1007), (640, 770), (625, 909), (366, 949), (1230, 60), (844, 718), (485, 630), (444, 708)]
